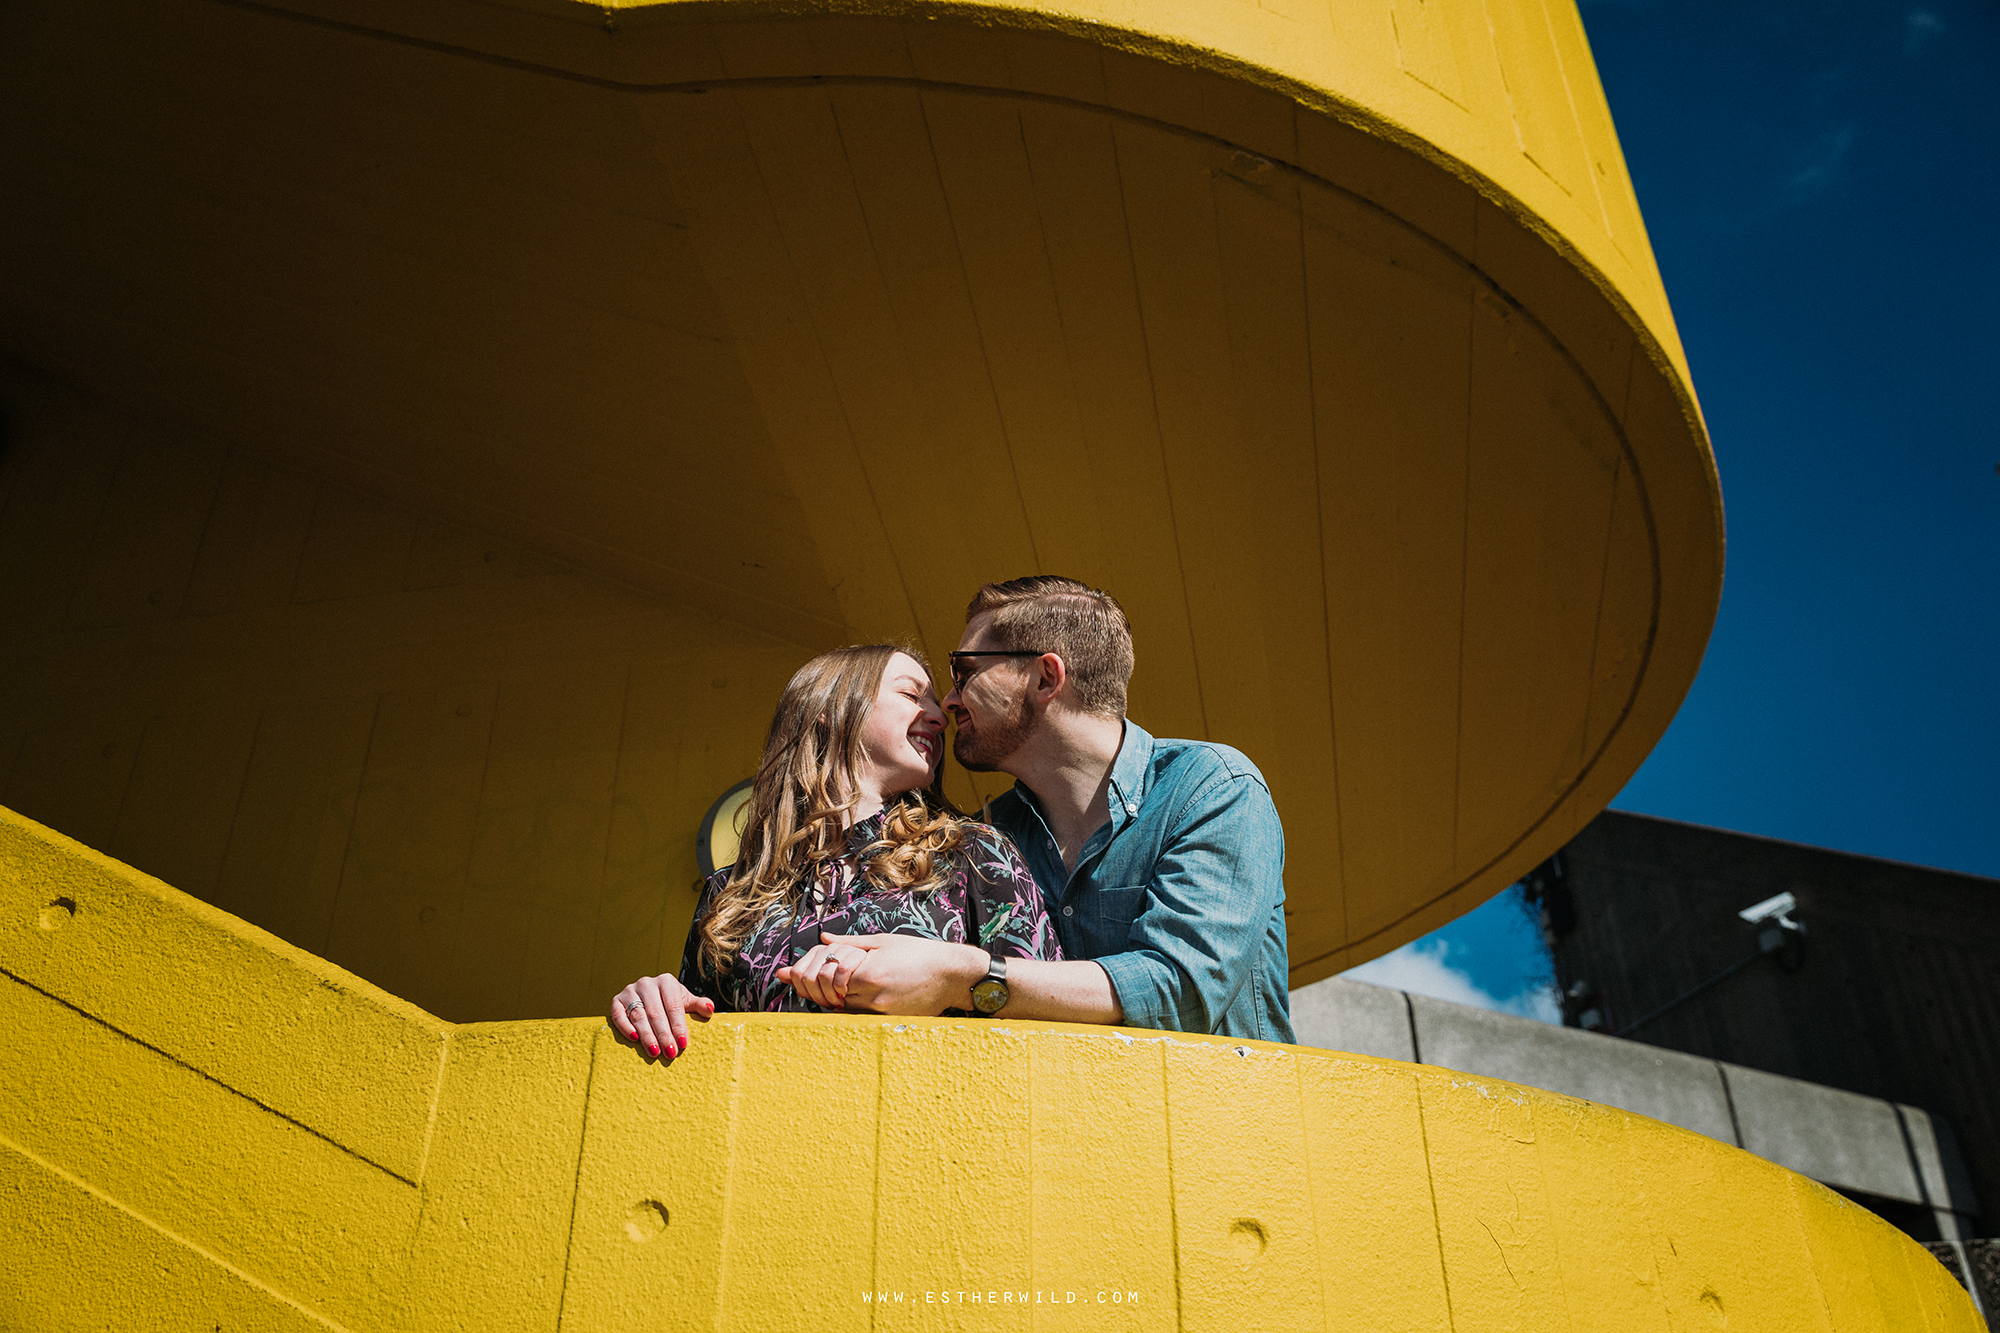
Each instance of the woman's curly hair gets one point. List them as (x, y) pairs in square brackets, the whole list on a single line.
[(806, 783)]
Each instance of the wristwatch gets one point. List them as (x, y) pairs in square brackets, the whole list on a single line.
[(989, 994)]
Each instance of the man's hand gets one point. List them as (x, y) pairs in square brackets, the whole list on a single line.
[(653, 1011), (897, 974), (820, 975)]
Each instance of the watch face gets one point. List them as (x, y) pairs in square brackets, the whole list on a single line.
[(989, 996)]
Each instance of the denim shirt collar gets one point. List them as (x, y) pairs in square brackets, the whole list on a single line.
[(1129, 774), (1125, 793)]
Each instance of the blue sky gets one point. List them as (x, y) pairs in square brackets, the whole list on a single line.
[(1821, 181)]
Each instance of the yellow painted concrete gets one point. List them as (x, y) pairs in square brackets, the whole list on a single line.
[(1326, 334), (260, 1141)]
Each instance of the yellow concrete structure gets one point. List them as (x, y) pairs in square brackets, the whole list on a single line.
[(202, 1127), (1326, 334), (453, 766), (435, 431)]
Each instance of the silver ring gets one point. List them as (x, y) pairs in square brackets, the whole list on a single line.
[(635, 1006)]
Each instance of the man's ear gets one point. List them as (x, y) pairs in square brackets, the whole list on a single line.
[(1052, 675)]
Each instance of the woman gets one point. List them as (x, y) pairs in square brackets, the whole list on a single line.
[(848, 832)]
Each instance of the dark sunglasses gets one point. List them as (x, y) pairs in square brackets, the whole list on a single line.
[(960, 674)]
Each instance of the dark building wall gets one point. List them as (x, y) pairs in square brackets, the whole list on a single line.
[(1896, 994)]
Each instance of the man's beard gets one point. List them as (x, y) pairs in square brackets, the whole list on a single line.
[(988, 747)]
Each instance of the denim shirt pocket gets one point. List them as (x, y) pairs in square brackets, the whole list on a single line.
[(1117, 909)]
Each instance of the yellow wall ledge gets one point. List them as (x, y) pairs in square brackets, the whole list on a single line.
[(202, 1127)]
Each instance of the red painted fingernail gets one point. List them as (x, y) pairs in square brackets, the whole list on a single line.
[(654, 1049)]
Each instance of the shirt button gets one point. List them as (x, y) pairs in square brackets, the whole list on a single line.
[(1069, 911)]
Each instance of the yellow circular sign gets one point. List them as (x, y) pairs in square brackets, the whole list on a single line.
[(721, 832)]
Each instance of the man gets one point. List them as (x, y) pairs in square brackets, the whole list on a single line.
[(1162, 861)]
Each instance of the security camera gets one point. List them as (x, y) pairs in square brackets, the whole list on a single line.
[(1779, 907), (1778, 935)]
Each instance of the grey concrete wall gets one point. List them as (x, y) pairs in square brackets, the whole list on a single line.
[(1682, 1090), (1342, 1015), (1845, 1138), (1940, 1168), (1839, 1138)]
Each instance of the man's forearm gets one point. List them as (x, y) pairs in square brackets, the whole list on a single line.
[(904, 975), (1067, 992)]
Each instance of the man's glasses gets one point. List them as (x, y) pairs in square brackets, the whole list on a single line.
[(960, 674)]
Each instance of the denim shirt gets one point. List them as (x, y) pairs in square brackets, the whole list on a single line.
[(1180, 897)]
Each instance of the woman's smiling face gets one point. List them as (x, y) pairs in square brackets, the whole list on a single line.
[(902, 742)]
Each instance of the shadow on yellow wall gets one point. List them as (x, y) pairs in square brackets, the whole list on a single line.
[(467, 773)]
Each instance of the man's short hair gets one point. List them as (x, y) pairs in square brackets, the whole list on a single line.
[(1083, 625)]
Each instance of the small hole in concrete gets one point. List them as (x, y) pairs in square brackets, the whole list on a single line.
[(58, 914), (1248, 1238), (1247, 166), (645, 1219)]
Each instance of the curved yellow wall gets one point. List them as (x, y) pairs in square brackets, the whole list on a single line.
[(202, 1127), (1325, 334), (461, 770)]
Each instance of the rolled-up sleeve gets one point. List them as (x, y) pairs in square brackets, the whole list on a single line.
[(1208, 908)]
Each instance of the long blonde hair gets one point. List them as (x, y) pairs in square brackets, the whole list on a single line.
[(806, 783)]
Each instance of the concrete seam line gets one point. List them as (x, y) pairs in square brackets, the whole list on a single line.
[(1729, 1099)]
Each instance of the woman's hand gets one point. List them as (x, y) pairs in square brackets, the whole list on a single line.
[(654, 1011), (902, 974), (822, 972)]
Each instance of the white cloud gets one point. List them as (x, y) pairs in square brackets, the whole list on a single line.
[(1420, 967), (1919, 26)]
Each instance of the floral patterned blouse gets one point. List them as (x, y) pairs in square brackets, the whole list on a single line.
[(985, 879)]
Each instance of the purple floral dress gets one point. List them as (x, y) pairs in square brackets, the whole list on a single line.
[(985, 880)]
